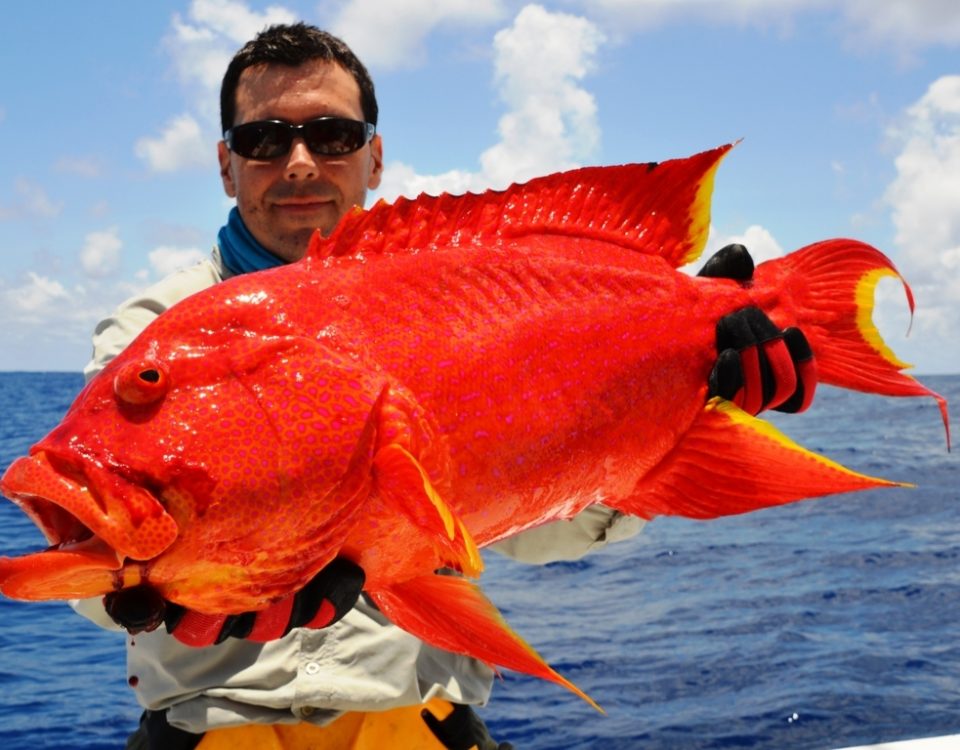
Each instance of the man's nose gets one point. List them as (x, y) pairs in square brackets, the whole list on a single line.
[(301, 163)]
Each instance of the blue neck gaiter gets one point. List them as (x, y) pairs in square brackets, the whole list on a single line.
[(240, 251)]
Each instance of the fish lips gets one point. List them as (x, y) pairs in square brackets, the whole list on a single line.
[(94, 521)]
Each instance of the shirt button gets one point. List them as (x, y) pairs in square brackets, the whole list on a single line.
[(312, 668), (307, 711)]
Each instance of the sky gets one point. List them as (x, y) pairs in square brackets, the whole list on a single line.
[(847, 113)]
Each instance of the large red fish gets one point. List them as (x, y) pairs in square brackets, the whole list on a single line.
[(437, 375)]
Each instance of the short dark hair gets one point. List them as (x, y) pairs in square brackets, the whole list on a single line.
[(293, 45)]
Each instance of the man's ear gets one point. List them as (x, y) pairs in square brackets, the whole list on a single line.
[(376, 162), (226, 170)]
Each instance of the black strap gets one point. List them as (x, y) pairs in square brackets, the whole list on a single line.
[(462, 730)]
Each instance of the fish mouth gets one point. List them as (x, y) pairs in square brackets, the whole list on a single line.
[(94, 523)]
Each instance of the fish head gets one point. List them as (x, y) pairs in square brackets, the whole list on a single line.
[(199, 461)]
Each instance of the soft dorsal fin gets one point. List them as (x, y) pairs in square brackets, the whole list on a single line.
[(659, 209)]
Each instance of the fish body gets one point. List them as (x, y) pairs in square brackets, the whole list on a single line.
[(437, 375)]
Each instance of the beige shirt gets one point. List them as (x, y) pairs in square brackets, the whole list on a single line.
[(362, 663)]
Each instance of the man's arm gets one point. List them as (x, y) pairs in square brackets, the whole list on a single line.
[(588, 531)]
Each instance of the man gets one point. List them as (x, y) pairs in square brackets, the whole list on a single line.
[(299, 113)]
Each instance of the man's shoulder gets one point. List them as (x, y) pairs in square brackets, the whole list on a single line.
[(184, 282)]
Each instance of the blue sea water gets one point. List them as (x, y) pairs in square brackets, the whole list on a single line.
[(824, 624)]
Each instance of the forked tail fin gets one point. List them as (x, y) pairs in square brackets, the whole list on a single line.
[(451, 613), (830, 288)]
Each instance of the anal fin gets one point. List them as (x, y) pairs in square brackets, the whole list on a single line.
[(730, 462)]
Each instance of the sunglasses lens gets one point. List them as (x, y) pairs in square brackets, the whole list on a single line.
[(335, 136), (327, 136), (260, 140)]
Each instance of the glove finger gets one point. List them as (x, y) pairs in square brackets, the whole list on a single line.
[(237, 626), (780, 383), (726, 378), (329, 596), (730, 262), (806, 368), (743, 328), (734, 332), (272, 622), (761, 326)]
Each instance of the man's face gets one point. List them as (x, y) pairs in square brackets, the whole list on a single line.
[(283, 200)]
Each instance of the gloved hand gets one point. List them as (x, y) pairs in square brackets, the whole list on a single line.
[(323, 601), (759, 366)]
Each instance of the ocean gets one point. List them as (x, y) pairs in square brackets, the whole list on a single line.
[(824, 624)]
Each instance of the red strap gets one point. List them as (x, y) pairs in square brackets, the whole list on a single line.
[(324, 615), (783, 371), (750, 397), (197, 629)]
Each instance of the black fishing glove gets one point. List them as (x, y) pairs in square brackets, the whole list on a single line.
[(759, 366), (323, 601)]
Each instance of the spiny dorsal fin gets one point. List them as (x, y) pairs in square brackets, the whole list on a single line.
[(659, 209)]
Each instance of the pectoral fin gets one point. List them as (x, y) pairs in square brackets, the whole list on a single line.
[(730, 462), (453, 614), (402, 481)]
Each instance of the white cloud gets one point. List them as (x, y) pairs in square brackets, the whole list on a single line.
[(80, 166), (202, 44), (100, 209), (402, 179), (43, 310), (647, 14), (165, 260), (100, 255), (391, 35), (181, 145), (32, 201), (36, 295), (235, 20), (925, 210), (757, 239), (36, 201), (907, 24), (551, 121), (901, 25)]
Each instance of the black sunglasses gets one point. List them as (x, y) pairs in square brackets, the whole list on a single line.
[(325, 136)]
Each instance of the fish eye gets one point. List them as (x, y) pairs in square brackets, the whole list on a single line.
[(140, 383)]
